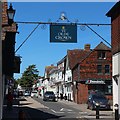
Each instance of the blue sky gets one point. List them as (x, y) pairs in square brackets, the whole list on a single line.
[(37, 49)]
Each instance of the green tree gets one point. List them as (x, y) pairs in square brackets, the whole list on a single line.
[(28, 77)]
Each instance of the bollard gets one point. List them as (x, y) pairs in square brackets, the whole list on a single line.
[(21, 115), (97, 110), (116, 106)]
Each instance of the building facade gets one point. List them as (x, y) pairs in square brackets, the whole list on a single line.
[(61, 77), (93, 72), (114, 13), (8, 52)]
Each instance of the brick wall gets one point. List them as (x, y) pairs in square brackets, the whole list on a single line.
[(4, 13), (88, 70), (115, 34), (82, 93), (8, 42), (5, 26)]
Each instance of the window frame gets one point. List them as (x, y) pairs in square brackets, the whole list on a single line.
[(101, 55), (107, 69), (99, 69)]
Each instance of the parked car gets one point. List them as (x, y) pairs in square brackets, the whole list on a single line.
[(97, 99), (34, 94), (49, 96), (27, 93), (20, 93)]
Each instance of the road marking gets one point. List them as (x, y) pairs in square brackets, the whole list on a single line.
[(12, 105), (71, 112), (56, 111), (65, 109), (79, 117), (83, 112)]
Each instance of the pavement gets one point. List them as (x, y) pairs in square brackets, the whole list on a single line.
[(17, 112), (11, 113), (90, 114)]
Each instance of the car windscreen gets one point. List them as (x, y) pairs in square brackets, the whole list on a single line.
[(34, 92), (50, 93), (98, 97)]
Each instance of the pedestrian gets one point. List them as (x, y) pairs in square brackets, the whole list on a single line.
[(9, 100), (65, 97), (61, 96)]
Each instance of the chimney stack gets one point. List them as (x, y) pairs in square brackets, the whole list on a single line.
[(87, 47)]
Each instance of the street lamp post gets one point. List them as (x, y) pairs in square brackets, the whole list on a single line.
[(11, 14)]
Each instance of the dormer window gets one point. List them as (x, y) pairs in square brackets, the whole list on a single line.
[(101, 55)]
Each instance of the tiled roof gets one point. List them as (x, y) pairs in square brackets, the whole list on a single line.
[(113, 10), (48, 68), (102, 46), (52, 70), (62, 60), (77, 55)]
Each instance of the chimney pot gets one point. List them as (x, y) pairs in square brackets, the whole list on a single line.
[(87, 47)]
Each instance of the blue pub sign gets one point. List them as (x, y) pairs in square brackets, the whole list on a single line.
[(65, 33)]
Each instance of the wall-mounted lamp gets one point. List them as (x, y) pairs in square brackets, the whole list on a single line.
[(10, 14)]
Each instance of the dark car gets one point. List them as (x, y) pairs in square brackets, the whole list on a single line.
[(49, 96), (97, 99)]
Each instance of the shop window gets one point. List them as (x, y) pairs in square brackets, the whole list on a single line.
[(108, 89), (101, 55), (69, 89), (107, 69), (69, 78), (99, 68)]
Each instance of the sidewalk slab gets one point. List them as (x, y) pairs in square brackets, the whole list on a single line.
[(30, 102)]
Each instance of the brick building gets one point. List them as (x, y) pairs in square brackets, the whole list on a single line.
[(8, 54), (8, 43), (94, 72)]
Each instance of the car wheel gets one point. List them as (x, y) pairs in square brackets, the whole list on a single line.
[(87, 106), (44, 100), (91, 107)]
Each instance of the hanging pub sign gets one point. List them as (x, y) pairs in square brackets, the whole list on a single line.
[(66, 33)]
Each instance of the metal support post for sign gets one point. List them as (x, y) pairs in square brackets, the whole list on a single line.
[(116, 106), (97, 111)]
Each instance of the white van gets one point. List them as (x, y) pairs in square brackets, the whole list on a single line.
[(34, 94)]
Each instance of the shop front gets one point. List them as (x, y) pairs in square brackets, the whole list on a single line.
[(103, 86), (85, 87)]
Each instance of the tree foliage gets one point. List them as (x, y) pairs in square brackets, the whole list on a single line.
[(29, 76)]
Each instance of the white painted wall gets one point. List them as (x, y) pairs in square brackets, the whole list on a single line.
[(68, 74), (68, 80), (116, 79), (53, 79)]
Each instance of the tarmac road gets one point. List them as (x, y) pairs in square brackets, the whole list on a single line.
[(49, 110), (38, 109)]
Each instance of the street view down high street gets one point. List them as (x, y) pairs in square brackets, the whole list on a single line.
[(36, 108), (59, 60)]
